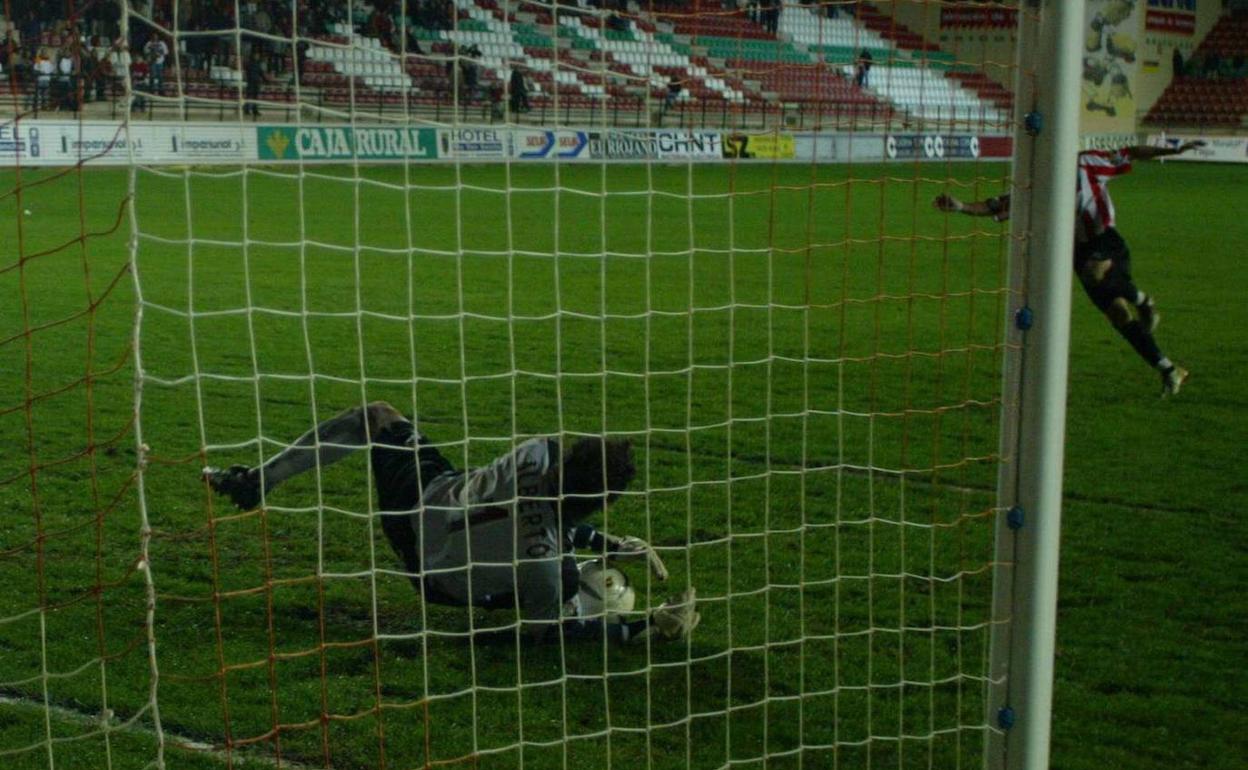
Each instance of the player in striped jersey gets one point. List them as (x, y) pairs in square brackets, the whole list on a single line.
[(498, 536), (1102, 260)]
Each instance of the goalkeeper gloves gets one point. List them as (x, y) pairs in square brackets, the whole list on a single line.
[(629, 547), (673, 619), (238, 482)]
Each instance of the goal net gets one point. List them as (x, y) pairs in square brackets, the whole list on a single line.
[(707, 231)]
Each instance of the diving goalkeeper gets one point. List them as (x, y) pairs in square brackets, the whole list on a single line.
[(498, 536)]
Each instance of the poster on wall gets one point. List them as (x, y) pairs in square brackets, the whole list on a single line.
[(1170, 33), (1171, 17), (1110, 65)]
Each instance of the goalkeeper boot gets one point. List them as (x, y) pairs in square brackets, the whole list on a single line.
[(676, 618), (238, 482), (1172, 380), (1149, 317)]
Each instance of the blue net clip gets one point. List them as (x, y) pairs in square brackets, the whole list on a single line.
[(1005, 718), (1015, 517), (1024, 318), (1033, 123)]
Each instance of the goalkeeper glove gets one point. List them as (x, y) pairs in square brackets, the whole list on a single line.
[(238, 482), (629, 547), (674, 619)]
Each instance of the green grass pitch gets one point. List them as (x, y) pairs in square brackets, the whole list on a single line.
[(808, 361)]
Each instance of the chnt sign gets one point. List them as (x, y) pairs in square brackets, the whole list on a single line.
[(345, 143), (688, 144)]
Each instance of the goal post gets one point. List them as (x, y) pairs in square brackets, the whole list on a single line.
[(1034, 411)]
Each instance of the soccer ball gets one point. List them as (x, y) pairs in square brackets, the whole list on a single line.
[(604, 590)]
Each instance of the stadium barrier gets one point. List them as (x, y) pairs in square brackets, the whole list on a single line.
[(62, 143)]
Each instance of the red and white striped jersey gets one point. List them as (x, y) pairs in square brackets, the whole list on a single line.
[(1095, 210)]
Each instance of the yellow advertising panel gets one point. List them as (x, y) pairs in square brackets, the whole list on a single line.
[(767, 146), (1111, 65)]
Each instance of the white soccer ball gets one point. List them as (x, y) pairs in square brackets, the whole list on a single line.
[(26, 212), (604, 590)]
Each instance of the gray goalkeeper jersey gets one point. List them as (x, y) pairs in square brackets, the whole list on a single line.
[(493, 532)]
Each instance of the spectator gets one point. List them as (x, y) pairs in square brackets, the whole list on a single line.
[(140, 75), (1212, 64), (101, 71), (43, 70), (64, 87), (673, 92), (155, 53), (1176, 60), (519, 91), (862, 68), (468, 73), (301, 57), (253, 78), (771, 15)]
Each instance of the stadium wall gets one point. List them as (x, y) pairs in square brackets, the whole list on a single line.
[(985, 37), (67, 143)]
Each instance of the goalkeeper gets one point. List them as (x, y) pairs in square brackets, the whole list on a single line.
[(498, 536)]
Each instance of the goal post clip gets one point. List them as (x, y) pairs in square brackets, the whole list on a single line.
[(1015, 517), (1005, 717)]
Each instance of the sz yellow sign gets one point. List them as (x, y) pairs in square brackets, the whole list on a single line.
[(766, 146)]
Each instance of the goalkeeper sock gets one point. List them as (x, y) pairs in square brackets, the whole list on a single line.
[(1142, 340)]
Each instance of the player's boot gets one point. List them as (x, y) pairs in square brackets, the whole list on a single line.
[(1172, 380), (238, 482), (676, 619), (1149, 317)]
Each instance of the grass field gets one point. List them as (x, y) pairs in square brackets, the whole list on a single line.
[(808, 361)]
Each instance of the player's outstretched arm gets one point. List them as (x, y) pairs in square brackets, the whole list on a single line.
[(673, 620), (586, 536), (997, 208), (327, 443), (1147, 152)]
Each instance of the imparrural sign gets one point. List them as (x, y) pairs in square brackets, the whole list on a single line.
[(345, 143)]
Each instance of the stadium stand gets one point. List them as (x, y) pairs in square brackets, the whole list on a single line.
[(906, 71), (1212, 90), (743, 66)]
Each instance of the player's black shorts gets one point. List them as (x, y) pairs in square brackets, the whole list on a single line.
[(1107, 245), (399, 480), (1116, 283)]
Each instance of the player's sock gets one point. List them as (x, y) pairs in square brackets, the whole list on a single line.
[(1142, 340)]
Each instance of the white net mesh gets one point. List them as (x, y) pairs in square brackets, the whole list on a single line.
[(805, 356)]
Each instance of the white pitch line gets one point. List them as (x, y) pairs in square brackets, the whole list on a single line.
[(240, 756)]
